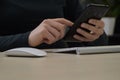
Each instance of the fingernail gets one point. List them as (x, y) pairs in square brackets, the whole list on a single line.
[(90, 21), (83, 24), (74, 36), (78, 30)]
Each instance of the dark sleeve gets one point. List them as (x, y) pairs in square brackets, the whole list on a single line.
[(72, 11), (101, 41), (13, 41)]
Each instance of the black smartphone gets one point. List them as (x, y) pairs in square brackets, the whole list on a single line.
[(92, 11)]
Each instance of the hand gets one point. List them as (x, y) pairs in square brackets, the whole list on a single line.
[(95, 31), (49, 31)]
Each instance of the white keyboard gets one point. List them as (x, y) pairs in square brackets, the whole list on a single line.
[(86, 50)]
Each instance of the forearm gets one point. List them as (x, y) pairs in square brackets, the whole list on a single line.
[(13, 41)]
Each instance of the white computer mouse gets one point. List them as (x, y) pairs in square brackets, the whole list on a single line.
[(25, 51)]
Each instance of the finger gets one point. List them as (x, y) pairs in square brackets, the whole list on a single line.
[(83, 39), (80, 38), (48, 37), (54, 32), (58, 26), (86, 34), (54, 24), (64, 21), (92, 29), (98, 23), (88, 27)]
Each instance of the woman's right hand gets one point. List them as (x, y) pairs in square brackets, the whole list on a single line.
[(49, 31)]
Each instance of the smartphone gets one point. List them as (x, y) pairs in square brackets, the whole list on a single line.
[(92, 11)]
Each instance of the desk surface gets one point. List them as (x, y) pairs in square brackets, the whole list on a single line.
[(56, 66)]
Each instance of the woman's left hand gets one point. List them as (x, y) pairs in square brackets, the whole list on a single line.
[(95, 31)]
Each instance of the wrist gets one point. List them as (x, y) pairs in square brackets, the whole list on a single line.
[(35, 40)]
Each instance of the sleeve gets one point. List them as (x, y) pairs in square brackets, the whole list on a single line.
[(13, 41), (72, 10)]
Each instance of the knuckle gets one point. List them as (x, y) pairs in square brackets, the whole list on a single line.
[(58, 35), (62, 18), (46, 20), (97, 31), (103, 24), (63, 27), (92, 38), (62, 35), (82, 40), (101, 32), (49, 42), (94, 21), (87, 26), (45, 25)]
